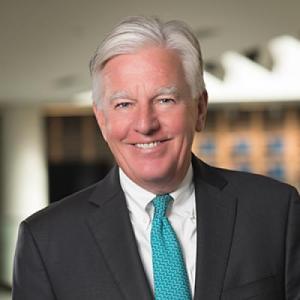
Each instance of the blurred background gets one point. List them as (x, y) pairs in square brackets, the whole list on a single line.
[(50, 145)]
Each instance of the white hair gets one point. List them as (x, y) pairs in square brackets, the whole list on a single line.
[(134, 33)]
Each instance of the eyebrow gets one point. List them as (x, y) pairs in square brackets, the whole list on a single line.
[(167, 91), (118, 95)]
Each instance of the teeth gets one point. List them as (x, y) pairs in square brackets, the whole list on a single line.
[(148, 145)]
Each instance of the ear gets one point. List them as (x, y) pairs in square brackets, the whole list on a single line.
[(101, 119), (201, 110)]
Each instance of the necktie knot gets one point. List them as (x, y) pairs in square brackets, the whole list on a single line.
[(160, 203)]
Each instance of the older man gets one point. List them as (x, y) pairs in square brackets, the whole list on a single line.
[(162, 224)]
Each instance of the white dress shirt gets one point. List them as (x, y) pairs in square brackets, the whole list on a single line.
[(181, 214)]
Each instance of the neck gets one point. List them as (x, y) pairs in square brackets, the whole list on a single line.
[(161, 186)]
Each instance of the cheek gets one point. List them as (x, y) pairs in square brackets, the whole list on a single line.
[(182, 123), (116, 127)]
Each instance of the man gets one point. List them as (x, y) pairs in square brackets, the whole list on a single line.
[(162, 224)]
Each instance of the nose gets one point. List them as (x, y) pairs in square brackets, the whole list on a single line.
[(146, 120)]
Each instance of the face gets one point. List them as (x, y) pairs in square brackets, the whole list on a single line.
[(148, 117)]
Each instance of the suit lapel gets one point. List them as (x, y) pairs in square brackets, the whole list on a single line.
[(111, 227), (216, 212)]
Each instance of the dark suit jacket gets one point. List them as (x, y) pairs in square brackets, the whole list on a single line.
[(83, 247)]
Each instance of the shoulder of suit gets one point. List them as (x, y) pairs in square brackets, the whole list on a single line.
[(250, 179), (77, 205), (225, 177), (74, 206), (258, 188), (241, 184)]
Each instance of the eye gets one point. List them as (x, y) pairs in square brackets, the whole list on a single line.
[(123, 105), (166, 100)]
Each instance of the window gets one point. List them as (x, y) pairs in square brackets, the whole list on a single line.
[(277, 171), (275, 145), (241, 147), (208, 147)]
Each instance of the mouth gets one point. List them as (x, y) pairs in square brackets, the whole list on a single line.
[(149, 145)]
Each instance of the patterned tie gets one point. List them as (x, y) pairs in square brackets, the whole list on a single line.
[(170, 276)]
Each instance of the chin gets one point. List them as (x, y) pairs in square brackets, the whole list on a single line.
[(155, 177), (151, 177)]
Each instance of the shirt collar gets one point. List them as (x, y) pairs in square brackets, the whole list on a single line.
[(139, 200), (135, 193), (181, 195)]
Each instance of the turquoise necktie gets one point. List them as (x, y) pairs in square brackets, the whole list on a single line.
[(169, 272)]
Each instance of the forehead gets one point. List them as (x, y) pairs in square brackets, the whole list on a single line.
[(152, 65)]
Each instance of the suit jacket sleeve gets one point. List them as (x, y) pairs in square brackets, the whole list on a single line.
[(292, 267), (30, 279)]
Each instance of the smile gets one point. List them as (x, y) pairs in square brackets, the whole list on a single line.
[(147, 145)]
